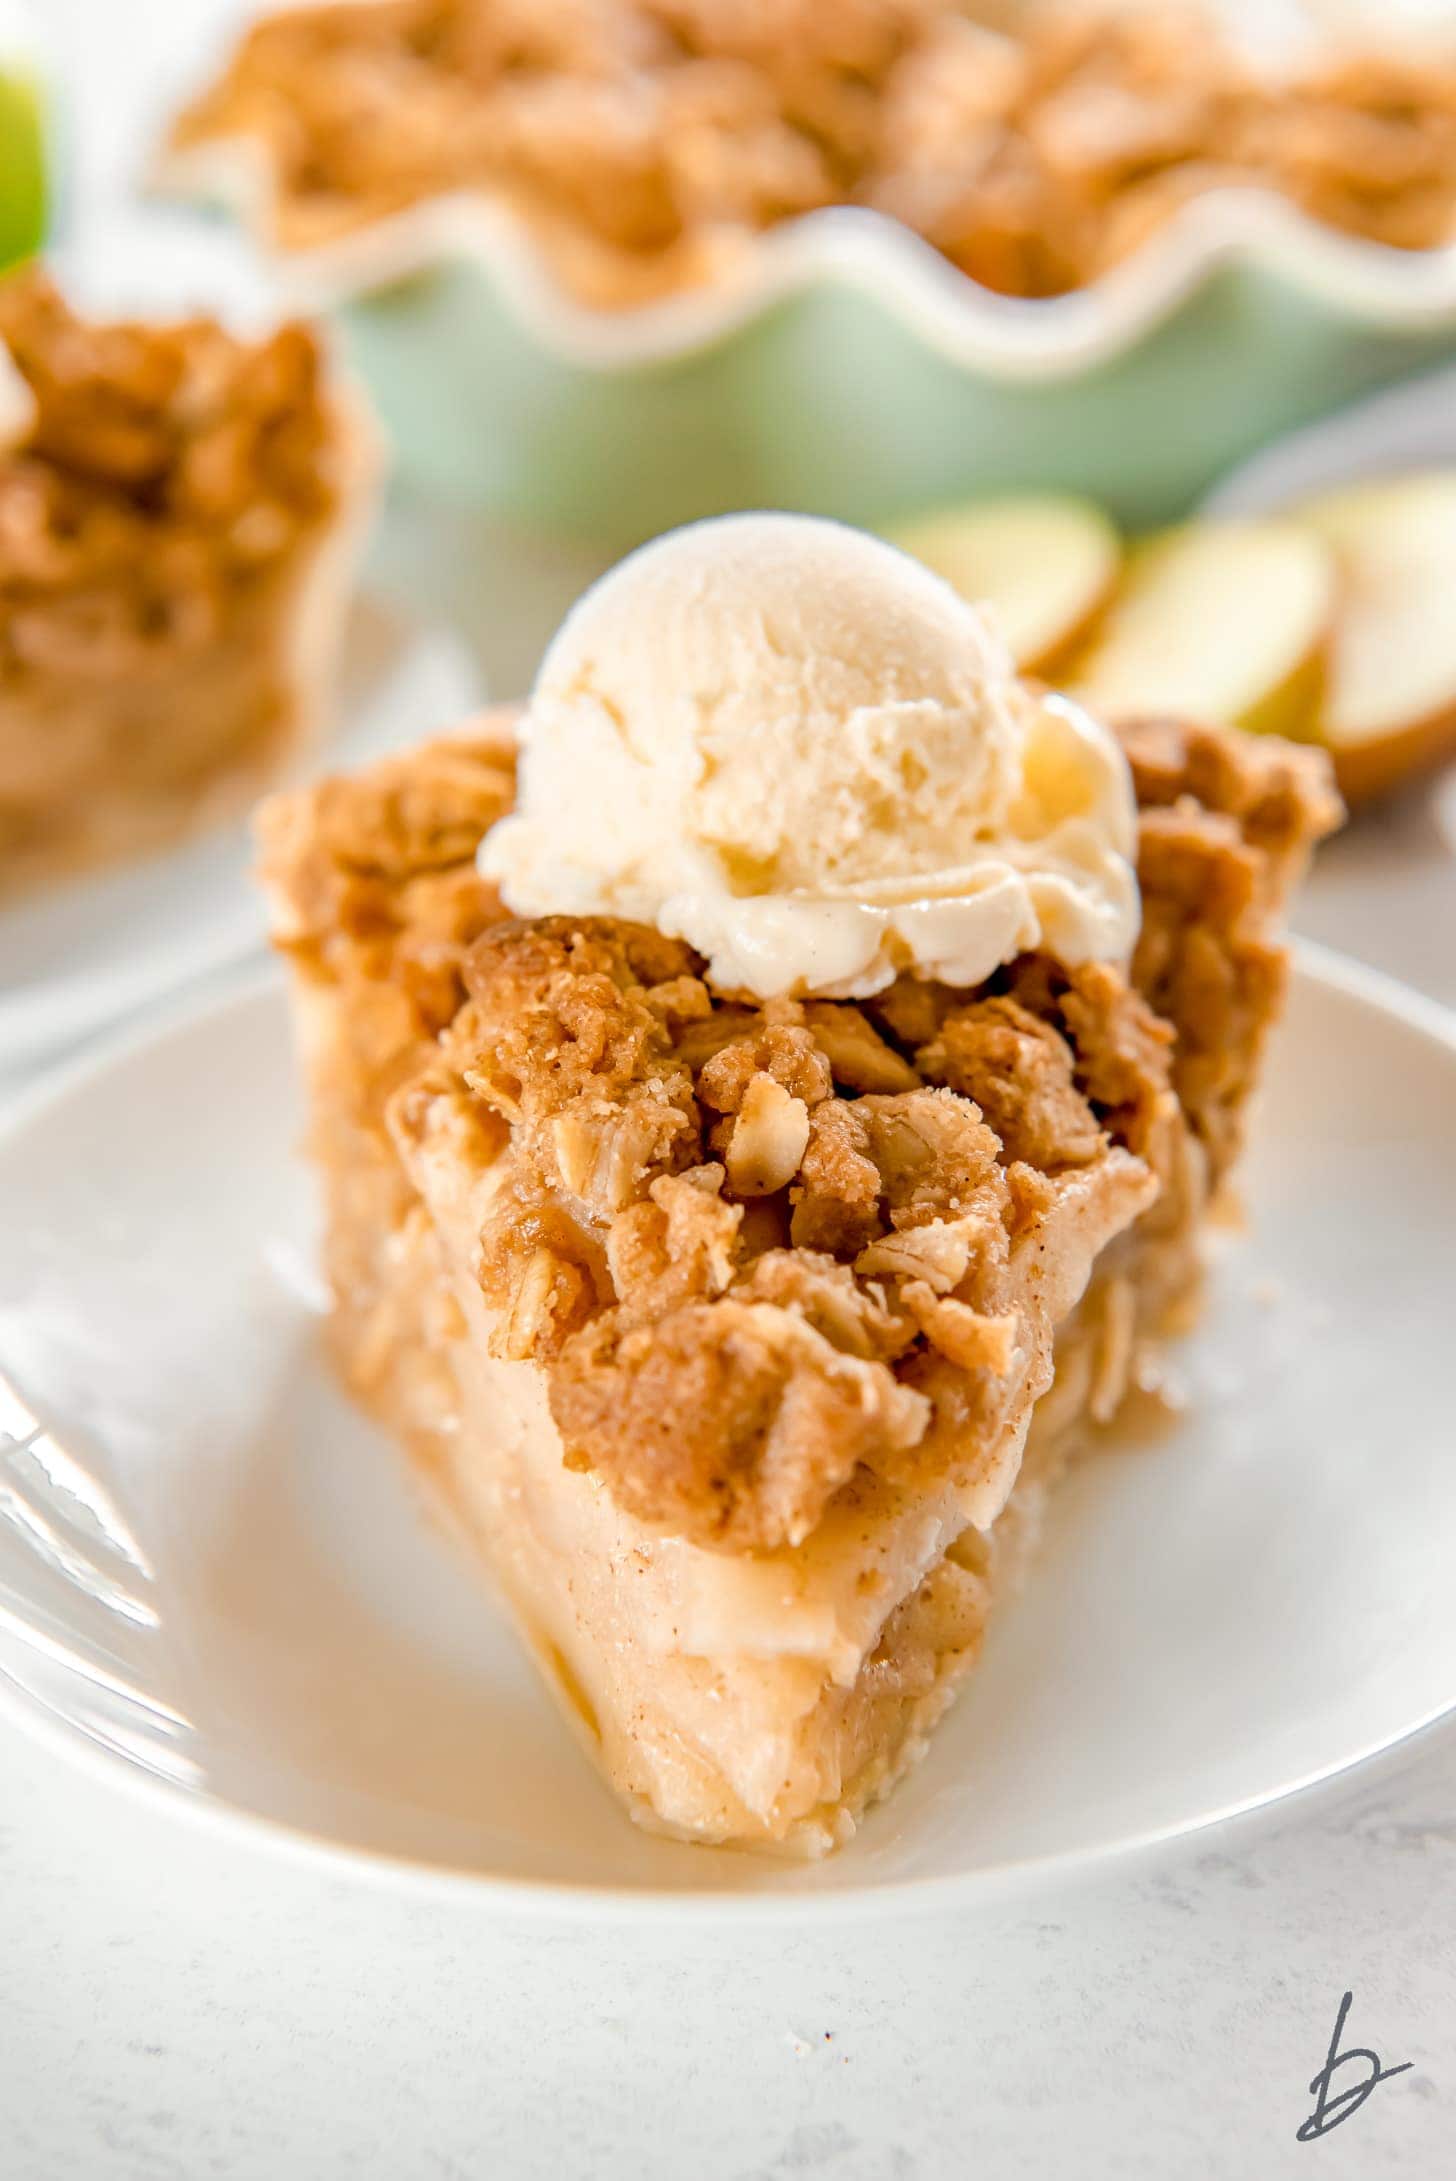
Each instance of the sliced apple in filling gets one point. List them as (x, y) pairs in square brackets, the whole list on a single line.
[(1389, 706), (1223, 622), (1045, 564)]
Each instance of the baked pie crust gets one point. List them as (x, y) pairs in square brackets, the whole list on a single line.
[(747, 1340)]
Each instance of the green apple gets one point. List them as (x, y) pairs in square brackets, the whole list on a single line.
[(22, 163)]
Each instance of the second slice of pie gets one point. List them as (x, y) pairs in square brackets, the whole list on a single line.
[(180, 510), (743, 1244)]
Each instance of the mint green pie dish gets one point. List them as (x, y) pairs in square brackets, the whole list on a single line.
[(843, 366)]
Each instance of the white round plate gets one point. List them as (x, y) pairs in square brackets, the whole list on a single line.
[(1408, 427), (79, 956), (215, 1578)]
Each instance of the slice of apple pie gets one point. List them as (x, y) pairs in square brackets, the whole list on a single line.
[(746, 1330), (178, 513)]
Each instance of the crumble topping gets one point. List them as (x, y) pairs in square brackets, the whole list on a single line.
[(639, 134), (729, 1422), (726, 1378), (374, 875), (1224, 832), (1370, 147), (1019, 1069), (158, 472), (755, 1248)]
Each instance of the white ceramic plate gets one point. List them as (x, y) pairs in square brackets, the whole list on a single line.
[(215, 1580), (80, 956)]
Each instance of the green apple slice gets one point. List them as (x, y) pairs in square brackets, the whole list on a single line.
[(1044, 563), (1389, 709), (1222, 621)]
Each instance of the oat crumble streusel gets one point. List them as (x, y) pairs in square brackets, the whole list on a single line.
[(164, 467), (757, 1247), (641, 136), (168, 493)]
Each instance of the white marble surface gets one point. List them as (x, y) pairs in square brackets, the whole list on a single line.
[(172, 2007), (175, 2006)]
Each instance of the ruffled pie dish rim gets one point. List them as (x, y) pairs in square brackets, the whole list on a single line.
[(1011, 339)]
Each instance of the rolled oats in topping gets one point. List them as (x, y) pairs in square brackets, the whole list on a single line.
[(639, 133), (160, 469)]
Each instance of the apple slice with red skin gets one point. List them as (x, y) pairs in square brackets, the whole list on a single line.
[(1388, 710), (1228, 622)]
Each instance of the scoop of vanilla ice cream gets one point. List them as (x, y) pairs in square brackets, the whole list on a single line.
[(791, 745)]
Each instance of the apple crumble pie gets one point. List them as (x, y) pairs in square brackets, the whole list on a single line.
[(747, 1336), (644, 140), (177, 512)]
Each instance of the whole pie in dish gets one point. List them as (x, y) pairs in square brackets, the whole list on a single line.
[(178, 514), (745, 1326), (646, 141)]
